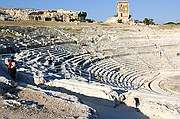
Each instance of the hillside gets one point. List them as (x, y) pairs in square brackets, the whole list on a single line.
[(138, 66)]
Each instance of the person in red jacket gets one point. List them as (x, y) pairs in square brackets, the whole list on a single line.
[(12, 64)]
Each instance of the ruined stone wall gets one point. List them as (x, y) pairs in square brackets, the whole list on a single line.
[(43, 15), (123, 10)]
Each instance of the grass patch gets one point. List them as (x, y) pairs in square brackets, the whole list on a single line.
[(72, 30), (171, 26), (35, 23), (10, 35), (51, 24), (103, 24)]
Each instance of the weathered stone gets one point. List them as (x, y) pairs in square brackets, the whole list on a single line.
[(42, 15), (12, 103), (123, 11)]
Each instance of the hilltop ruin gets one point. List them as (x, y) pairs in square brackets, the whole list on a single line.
[(123, 10), (11, 14), (122, 13)]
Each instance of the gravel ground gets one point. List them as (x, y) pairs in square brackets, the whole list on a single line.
[(33, 103)]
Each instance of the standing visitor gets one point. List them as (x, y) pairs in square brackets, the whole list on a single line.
[(50, 60), (12, 65), (99, 78)]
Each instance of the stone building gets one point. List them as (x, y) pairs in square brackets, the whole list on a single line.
[(123, 10)]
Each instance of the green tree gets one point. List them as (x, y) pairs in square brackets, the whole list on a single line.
[(148, 21), (136, 21), (116, 15), (119, 21)]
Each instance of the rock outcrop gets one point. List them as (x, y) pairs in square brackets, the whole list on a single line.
[(42, 15)]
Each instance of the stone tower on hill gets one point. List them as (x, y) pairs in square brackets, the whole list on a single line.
[(123, 10)]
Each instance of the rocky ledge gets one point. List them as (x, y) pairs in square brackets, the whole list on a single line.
[(11, 14)]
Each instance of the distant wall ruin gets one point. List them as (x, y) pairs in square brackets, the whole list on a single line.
[(42, 15)]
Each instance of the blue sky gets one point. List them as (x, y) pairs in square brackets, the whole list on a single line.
[(160, 10)]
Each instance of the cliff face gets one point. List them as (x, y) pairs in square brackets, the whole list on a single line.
[(41, 15)]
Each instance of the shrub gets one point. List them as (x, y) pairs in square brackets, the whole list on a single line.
[(148, 21), (119, 21), (116, 15), (136, 21), (170, 23)]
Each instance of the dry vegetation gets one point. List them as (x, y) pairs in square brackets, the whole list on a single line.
[(57, 24), (40, 23), (10, 34)]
